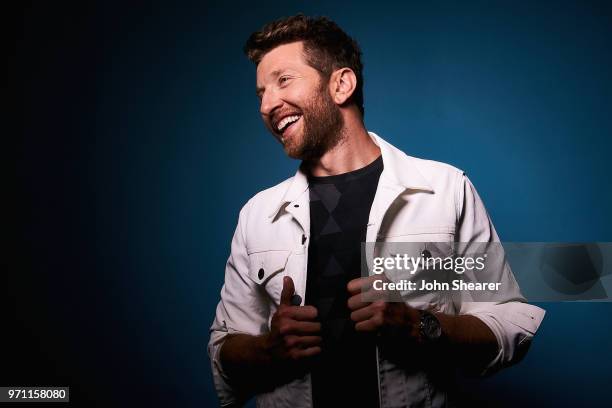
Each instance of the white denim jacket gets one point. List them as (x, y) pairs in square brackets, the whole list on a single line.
[(416, 201)]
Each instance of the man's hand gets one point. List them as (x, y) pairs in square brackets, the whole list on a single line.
[(294, 334), (380, 315), (469, 340)]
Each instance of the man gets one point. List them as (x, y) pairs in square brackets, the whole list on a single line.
[(292, 326)]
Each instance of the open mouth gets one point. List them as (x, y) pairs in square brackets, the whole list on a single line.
[(287, 123)]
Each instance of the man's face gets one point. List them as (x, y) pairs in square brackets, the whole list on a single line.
[(295, 103)]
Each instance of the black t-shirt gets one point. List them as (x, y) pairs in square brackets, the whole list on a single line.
[(346, 372)]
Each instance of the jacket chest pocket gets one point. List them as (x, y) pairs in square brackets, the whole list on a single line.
[(267, 269), (428, 233), (422, 255)]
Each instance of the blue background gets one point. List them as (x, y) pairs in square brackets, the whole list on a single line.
[(142, 140)]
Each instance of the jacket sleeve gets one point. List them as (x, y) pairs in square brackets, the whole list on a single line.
[(242, 309), (513, 321)]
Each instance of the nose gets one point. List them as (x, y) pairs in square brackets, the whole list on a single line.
[(270, 100)]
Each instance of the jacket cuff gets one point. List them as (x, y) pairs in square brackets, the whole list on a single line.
[(514, 324), (227, 395)]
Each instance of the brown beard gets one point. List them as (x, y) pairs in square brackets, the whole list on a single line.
[(323, 125)]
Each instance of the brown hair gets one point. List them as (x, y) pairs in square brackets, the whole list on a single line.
[(326, 46)]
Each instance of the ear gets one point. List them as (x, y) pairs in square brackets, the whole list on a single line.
[(342, 84)]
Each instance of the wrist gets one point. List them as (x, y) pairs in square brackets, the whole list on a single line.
[(264, 347), (447, 324), (412, 318)]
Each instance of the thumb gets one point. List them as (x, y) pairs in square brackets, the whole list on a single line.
[(288, 291)]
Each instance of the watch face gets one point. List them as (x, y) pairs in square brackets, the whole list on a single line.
[(430, 326)]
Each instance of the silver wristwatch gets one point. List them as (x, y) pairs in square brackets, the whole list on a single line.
[(429, 327)]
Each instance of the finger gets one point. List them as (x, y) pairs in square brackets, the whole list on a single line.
[(361, 300), (308, 352), (303, 342), (363, 314), (288, 291), (302, 313), (373, 295), (310, 341), (356, 302), (361, 284), (369, 325), (355, 285), (299, 328)]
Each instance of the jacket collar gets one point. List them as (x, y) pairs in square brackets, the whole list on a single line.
[(399, 168), (399, 172)]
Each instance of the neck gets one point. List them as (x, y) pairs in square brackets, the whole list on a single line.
[(354, 151)]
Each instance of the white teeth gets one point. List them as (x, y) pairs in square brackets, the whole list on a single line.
[(283, 123)]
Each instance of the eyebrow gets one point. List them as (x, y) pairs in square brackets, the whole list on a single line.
[(259, 90)]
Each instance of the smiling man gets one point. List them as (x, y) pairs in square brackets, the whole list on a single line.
[(308, 123), (292, 326)]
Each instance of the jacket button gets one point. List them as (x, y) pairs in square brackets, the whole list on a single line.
[(303, 239), (296, 300), (426, 254), (261, 273), (296, 205)]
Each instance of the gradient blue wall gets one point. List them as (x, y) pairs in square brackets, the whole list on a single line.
[(143, 140)]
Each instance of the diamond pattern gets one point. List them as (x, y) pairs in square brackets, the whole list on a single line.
[(339, 212)]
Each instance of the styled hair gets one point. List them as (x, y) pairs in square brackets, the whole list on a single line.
[(326, 47)]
